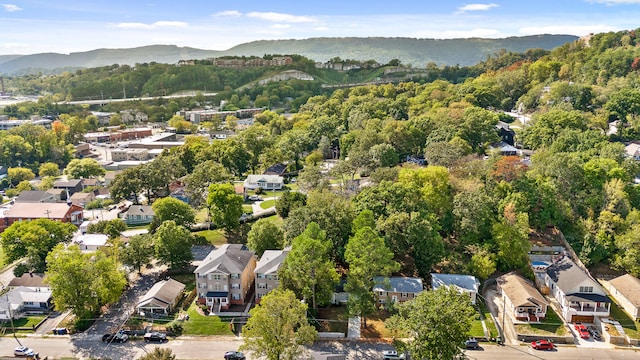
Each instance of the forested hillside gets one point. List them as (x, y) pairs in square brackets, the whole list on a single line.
[(417, 52)]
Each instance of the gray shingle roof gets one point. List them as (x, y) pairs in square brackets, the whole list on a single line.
[(228, 259), (271, 261), (629, 287), (398, 284), (466, 282), (520, 291), (164, 292), (566, 274)]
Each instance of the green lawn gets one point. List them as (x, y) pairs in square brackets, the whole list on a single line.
[(215, 237), (202, 215), (25, 322), (247, 209), (476, 329), (204, 325), (268, 203), (551, 325), (631, 328)]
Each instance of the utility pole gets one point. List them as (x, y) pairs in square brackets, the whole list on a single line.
[(504, 311), (47, 212), (124, 90)]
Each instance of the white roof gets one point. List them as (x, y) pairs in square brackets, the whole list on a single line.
[(266, 178), (466, 282), (92, 239)]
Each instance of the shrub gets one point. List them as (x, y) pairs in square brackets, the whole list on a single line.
[(187, 302)]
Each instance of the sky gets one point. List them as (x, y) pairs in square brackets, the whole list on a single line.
[(65, 26)]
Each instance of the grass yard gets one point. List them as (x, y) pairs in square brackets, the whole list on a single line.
[(199, 324), (551, 325), (631, 328), (376, 328), (25, 322), (268, 203), (202, 215), (189, 280), (215, 237), (247, 209)]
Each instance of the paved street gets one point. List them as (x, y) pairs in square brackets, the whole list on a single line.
[(214, 348)]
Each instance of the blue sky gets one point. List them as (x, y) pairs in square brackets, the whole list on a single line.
[(64, 26)]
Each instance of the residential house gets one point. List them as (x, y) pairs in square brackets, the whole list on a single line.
[(82, 198), (31, 211), (396, 289), (340, 296), (463, 283), (266, 272), (35, 196), (109, 176), (633, 151), (161, 298), (138, 215), (626, 290), (506, 133), (225, 277), (3, 172), (522, 301), (33, 281), (22, 299), (581, 298), (72, 186), (91, 242), (265, 182), (241, 190)]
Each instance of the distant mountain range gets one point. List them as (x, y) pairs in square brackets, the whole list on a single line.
[(417, 52)]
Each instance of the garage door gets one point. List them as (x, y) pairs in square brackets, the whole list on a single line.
[(582, 318)]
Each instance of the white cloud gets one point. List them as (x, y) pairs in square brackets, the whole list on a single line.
[(14, 46), (155, 25), (477, 7), (11, 7), (228, 13), (280, 26), (280, 17)]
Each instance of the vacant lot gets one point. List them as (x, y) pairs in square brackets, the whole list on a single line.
[(631, 328)]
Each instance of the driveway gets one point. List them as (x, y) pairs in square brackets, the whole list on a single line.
[(590, 342), (494, 302)]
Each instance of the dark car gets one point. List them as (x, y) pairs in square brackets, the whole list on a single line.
[(595, 333), (472, 344), (234, 355), (542, 345), (155, 337), (118, 337)]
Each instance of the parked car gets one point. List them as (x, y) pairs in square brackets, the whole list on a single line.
[(582, 330), (392, 355), (472, 344), (542, 345), (155, 337), (24, 351), (119, 337), (255, 198), (234, 355), (595, 333)]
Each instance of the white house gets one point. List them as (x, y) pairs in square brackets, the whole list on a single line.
[(464, 283), (581, 297), (22, 299), (265, 182), (633, 151), (161, 298), (626, 290), (33, 281), (396, 289)]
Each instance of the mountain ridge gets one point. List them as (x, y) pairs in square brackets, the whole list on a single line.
[(418, 52)]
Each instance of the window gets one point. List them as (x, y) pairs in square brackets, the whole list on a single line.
[(202, 285), (404, 295), (260, 276), (262, 286), (235, 286), (235, 276), (586, 289), (217, 277), (235, 296), (381, 293)]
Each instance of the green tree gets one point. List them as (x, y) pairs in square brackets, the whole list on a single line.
[(288, 201), (17, 175), (24, 185), (113, 228), (82, 282), (482, 264), (33, 240), (84, 168), (173, 245), (138, 252), (127, 185), (511, 236), (49, 169), (308, 270), (197, 183), (265, 235), (278, 328), (436, 331), (170, 208), (368, 257), (225, 207)]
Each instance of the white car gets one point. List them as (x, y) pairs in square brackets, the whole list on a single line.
[(255, 198), (24, 351), (392, 355)]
